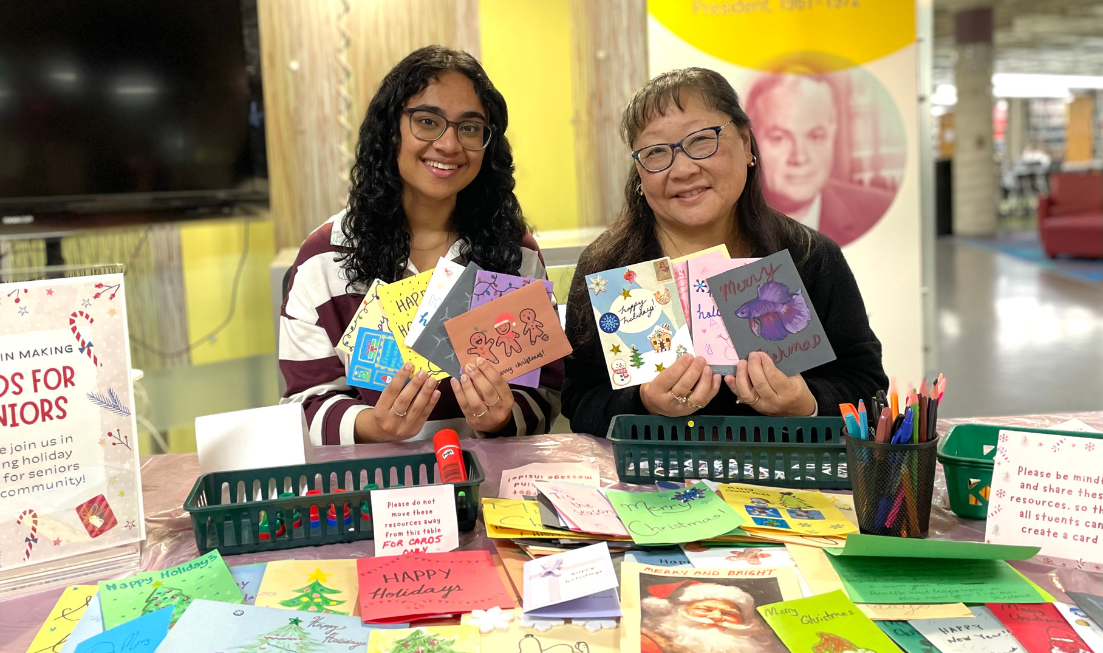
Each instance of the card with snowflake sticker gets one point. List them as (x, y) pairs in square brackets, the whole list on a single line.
[(640, 323), (324, 586), (674, 516), (680, 268), (70, 489), (1047, 490), (710, 336), (206, 577), (429, 639)]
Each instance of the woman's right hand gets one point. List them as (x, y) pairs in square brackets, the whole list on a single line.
[(688, 377), (402, 408)]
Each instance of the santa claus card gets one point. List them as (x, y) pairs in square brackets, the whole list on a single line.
[(686, 610), (517, 333), (826, 623), (1040, 628)]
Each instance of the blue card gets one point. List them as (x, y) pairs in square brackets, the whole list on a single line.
[(603, 605), (248, 580), (375, 359), (141, 635), (90, 625)]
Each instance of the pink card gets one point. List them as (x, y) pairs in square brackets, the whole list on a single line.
[(710, 336), (680, 269), (583, 507)]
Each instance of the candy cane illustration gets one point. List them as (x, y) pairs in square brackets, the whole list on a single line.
[(85, 345), (33, 538)]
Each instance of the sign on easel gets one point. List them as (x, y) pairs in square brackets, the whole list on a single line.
[(69, 474)]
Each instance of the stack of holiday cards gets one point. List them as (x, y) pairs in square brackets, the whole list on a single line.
[(577, 584), (778, 514)]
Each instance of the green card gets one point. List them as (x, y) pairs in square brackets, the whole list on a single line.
[(206, 577), (907, 637), (928, 580), (903, 547), (825, 622), (675, 516)]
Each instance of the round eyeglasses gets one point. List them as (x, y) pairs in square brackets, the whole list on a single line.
[(429, 126), (701, 144)]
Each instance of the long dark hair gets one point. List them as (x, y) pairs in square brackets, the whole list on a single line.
[(632, 237), (487, 216)]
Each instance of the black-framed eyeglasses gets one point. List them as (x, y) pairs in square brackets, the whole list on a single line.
[(430, 126), (701, 144)]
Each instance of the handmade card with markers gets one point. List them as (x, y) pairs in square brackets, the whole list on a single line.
[(445, 275), (679, 266), (826, 622), (674, 516), (795, 511), (375, 360), (428, 639), (640, 321), (369, 314), (433, 342), (322, 586), (492, 285), (765, 307), (63, 619), (507, 631), (517, 333), (710, 336), (400, 301)]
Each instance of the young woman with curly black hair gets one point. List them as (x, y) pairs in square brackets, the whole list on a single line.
[(433, 178)]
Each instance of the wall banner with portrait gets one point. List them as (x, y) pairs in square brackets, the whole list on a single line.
[(831, 90)]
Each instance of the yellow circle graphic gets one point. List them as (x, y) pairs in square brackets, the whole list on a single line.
[(757, 33)]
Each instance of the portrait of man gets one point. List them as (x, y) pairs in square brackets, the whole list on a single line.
[(715, 616), (797, 124)]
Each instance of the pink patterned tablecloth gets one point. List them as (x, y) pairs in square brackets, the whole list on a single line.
[(167, 480)]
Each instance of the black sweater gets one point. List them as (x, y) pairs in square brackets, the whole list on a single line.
[(590, 401)]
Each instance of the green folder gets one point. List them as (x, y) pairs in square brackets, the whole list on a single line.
[(879, 546)]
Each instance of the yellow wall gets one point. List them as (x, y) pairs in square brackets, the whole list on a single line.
[(527, 53)]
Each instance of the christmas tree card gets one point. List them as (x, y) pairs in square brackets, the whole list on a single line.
[(429, 585), (826, 623), (710, 336), (325, 586), (430, 639), (400, 301), (766, 509), (517, 333), (253, 629), (140, 635), (765, 307), (369, 315), (65, 616), (206, 577), (492, 285), (641, 326), (444, 277), (433, 342), (1040, 628)]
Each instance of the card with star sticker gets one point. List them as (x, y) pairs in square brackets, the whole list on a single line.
[(640, 321), (320, 586)]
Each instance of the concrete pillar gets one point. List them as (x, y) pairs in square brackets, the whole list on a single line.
[(1016, 133), (975, 174)]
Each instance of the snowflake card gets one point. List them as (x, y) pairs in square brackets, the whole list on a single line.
[(517, 333), (433, 342), (429, 639), (710, 336), (322, 586), (370, 314), (826, 622), (69, 474), (251, 629), (400, 301), (680, 268), (765, 307), (492, 285), (1047, 491), (1039, 627), (206, 577), (675, 516), (640, 322)]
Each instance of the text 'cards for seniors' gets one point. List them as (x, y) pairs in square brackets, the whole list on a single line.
[(415, 520), (766, 308), (563, 578), (675, 516), (826, 622), (428, 585)]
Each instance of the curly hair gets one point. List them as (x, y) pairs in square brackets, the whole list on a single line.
[(487, 216)]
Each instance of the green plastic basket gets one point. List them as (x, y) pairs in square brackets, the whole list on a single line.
[(966, 453), (793, 452), (242, 511)]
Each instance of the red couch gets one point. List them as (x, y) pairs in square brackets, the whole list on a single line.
[(1070, 219)]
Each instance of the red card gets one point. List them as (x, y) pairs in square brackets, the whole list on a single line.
[(96, 516), (427, 585), (516, 333), (1040, 628)]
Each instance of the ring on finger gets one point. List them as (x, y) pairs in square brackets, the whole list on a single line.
[(480, 414), (496, 402), (678, 399), (756, 398), (397, 413), (696, 406)]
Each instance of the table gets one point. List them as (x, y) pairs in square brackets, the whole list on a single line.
[(167, 480)]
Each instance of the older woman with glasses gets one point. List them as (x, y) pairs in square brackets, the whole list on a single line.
[(695, 184), (433, 178)]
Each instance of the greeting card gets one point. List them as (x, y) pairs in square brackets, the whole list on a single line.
[(510, 518), (795, 511), (507, 634), (89, 625), (140, 635), (584, 507), (641, 328), (445, 275), (206, 577), (1039, 627), (765, 307), (675, 516), (400, 301), (433, 342), (325, 586), (63, 618), (369, 314), (492, 285), (564, 577), (429, 639), (710, 336), (1085, 627), (982, 632), (826, 622), (517, 333), (679, 266), (906, 637), (743, 557), (375, 360), (248, 579), (519, 482)]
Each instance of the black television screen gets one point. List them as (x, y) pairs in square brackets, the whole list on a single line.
[(127, 105)]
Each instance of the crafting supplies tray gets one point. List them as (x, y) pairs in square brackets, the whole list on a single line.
[(967, 453), (243, 511), (793, 452)]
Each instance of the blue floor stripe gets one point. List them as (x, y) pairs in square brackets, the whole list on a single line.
[(1029, 249)]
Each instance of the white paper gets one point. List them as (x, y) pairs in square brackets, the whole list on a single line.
[(271, 436), (982, 633), (738, 557), (567, 576), (1074, 425), (444, 277), (415, 520), (1047, 491), (520, 482), (1088, 630)]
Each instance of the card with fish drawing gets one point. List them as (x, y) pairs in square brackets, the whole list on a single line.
[(765, 307), (639, 320)]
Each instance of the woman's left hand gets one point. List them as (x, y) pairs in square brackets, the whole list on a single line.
[(762, 386), (484, 397)]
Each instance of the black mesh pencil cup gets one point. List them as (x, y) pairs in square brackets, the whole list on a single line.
[(893, 485)]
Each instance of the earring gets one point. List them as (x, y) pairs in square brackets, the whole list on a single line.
[(639, 189), (754, 160)]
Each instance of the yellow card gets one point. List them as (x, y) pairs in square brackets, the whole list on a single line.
[(400, 301), (520, 516), (723, 249), (790, 511), (370, 315), (821, 541), (63, 618), (311, 586), (559, 639), (460, 639)]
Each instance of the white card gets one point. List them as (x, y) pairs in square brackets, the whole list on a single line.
[(982, 633), (1074, 425), (738, 557), (567, 576), (272, 436), (1046, 491), (1088, 630), (415, 520), (520, 482), (444, 277)]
